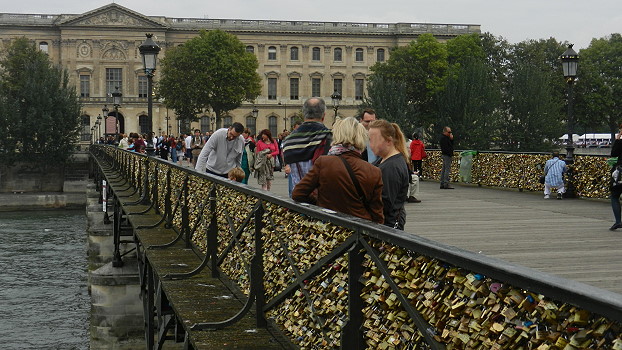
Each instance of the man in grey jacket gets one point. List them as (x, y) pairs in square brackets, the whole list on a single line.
[(223, 151)]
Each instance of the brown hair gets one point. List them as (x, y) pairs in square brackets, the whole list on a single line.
[(237, 174), (267, 132), (392, 131)]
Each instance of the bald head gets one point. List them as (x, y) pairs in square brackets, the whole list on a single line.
[(314, 109)]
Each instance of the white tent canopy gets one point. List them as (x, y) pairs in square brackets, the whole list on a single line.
[(574, 137)]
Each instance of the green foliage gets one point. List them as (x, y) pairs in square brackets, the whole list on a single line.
[(212, 71), (39, 110), (599, 87), (470, 104), (390, 101), (532, 110), (422, 67)]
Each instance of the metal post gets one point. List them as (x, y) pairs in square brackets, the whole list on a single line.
[(150, 98), (257, 269), (570, 188), (352, 335)]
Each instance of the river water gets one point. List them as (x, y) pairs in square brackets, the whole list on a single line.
[(44, 302)]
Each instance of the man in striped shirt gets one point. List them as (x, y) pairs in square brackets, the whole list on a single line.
[(305, 144), (554, 170)]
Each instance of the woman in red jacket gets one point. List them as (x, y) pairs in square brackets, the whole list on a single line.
[(417, 153)]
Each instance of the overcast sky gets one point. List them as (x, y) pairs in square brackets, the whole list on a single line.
[(568, 20)]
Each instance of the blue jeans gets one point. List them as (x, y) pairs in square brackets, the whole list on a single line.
[(174, 155), (615, 203)]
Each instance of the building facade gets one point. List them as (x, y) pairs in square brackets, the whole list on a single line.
[(297, 60)]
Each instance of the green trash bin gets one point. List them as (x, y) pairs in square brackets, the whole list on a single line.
[(466, 164), (612, 161)]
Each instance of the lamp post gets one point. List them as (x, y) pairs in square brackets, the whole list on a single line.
[(285, 116), (570, 63), (336, 97), (105, 114), (93, 134), (149, 50), (213, 121), (116, 102), (98, 123), (255, 112)]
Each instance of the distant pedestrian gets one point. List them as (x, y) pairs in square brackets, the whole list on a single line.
[(417, 154), (388, 143), (248, 156), (554, 170), (616, 190), (447, 152), (367, 116), (196, 144)]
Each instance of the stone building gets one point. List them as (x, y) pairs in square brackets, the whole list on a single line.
[(297, 60)]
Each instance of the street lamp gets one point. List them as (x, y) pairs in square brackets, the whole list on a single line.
[(98, 123), (116, 102), (285, 116), (213, 121), (149, 50), (570, 63), (336, 97), (255, 112), (105, 114)]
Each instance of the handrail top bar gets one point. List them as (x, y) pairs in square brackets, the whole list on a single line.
[(595, 299)]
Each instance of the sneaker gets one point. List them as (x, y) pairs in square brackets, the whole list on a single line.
[(559, 196), (546, 196)]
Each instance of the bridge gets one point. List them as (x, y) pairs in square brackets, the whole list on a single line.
[(485, 268)]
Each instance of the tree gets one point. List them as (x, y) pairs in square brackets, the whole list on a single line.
[(599, 85), (533, 108), (211, 71), (470, 104), (390, 101), (422, 67), (39, 110)]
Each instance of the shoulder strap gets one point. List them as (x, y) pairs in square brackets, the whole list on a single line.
[(358, 186)]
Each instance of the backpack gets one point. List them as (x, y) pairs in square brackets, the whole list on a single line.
[(616, 176)]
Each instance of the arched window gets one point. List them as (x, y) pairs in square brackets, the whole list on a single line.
[(205, 126), (293, 119), (250, 49), (358, 55), (338, 55), (43, 46), (86, 128), (251, 124), (144, 123), (227, 121), (272, 125), (272, 53), (293, 53), (316, 54), (380, 55)]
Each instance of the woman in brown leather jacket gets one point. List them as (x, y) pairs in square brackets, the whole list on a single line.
[(335, 187)]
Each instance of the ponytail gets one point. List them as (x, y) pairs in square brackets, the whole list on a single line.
[(399, 142)]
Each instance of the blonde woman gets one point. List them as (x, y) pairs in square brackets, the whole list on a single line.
[(388, 143), (335, 176)]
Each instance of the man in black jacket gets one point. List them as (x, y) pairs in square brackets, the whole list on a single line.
[(447, 152)]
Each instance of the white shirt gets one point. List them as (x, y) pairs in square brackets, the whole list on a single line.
[(188, 141)]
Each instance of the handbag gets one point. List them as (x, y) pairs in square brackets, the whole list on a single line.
[(542, 179), (358, 188)]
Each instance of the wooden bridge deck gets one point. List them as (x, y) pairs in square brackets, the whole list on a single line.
[(569, 238)]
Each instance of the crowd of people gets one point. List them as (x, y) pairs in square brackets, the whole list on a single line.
[(363, 166)]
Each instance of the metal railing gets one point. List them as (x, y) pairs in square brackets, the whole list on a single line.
[(331, 280)]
